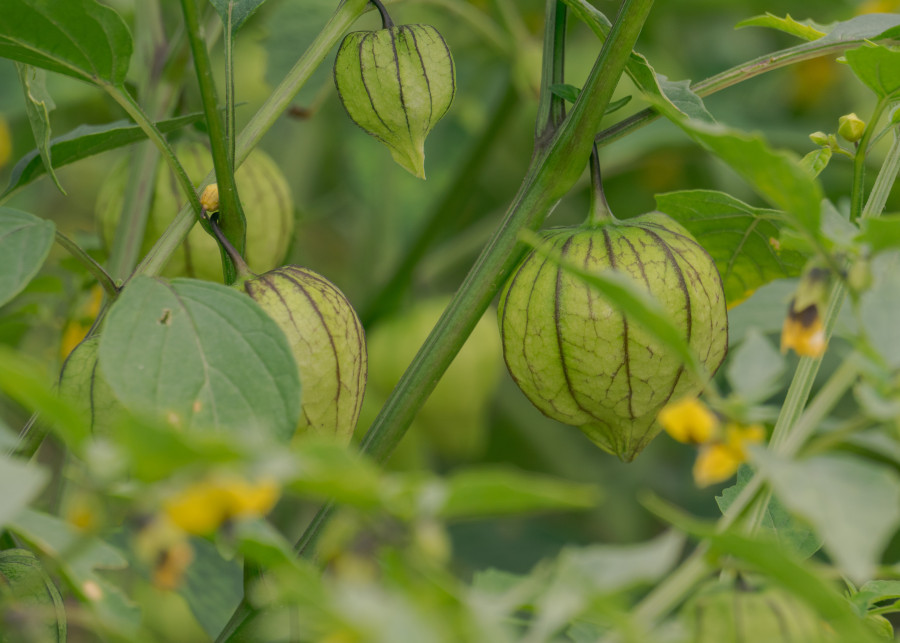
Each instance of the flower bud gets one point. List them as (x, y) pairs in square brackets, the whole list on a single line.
[(396, 83), (851, 127)]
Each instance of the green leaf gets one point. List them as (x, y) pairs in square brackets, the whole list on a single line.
[(79, 38), (874, 592), (817, 160), (490, 492), (21, 483), (24, 581), (677, 94), (879, 307), (25, 242), (807, 30), (212, 586), (85, 141), (777, 523), (26, 381), (740, 238), (880, 233), (78, 559), (775, 174), (872, 26), (622, 293), (777, 564), (877, 67), (202, 355), (587, 575), (38, 105), (235, 12), (755, 369), (865, 496)]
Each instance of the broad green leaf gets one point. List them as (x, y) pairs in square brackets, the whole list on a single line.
[(622, 293), (777, 564), (865, 496), (755, 369), (880, 233), (200, 354), (21, 483), (879, 308), (742, 240), (871, 26), (877, 67), (26, 381), (79, 557), (790, 533), (235, 12), (587, 575), (25, 242), (79, 38), (775, 174), (491, 492), (212, 586), (85, 141), (38, 105), (807, 30), (876, 591), (24, 581), (677, 94)]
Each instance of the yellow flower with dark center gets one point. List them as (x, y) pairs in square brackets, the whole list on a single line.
[(719, 461), (689, 421), (803, 331)]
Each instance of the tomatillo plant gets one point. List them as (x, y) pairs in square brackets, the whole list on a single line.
[(185, 422)]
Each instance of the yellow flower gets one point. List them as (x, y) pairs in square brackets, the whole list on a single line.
[(804, 332), (719, 461), (5, 142), (689, 421), (204, 506), (165, 549)]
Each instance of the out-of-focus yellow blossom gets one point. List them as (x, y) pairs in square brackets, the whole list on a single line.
[(77, 327), (878, 6), (82, 512), (720, 460), (210, 197), (804, 332), (165, 549), (688, 420), (204, 506), (5, 142)]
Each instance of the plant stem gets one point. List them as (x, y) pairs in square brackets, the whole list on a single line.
[(234, 224), (280, 99), (859, 161), (551, 108), (107, 282), (123, 98), (391, 294), (386, 22), (599, 211)]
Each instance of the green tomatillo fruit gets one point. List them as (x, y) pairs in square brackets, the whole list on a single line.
[(327, 341), (262, 188), (396, 83), (586, 363)]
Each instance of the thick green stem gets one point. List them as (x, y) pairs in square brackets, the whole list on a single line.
[(262, 121), (232, 219), (109, 286)]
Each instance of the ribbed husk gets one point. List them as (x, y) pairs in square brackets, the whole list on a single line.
[(582, 361), (396, 84), (328, 343)]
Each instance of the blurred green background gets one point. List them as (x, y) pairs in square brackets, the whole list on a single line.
[(357, 213)]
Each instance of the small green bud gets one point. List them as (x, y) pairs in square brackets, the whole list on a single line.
[(819, 138), (851, 127), (396, 83)]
